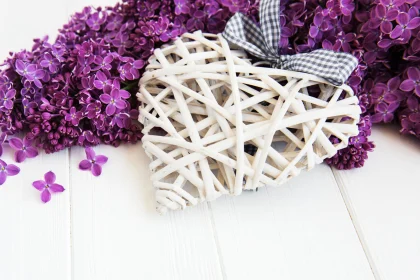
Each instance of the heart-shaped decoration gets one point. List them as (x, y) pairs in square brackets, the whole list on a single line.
[(203, 101)]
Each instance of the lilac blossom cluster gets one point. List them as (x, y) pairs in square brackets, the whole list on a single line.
[(384, 35), (80, 89), (356, 153)]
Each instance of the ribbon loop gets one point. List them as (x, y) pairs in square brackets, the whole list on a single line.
[(263, 42)]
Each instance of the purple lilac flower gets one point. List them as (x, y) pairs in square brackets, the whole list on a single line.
[(122, 42), (331, 10), (211, 8), (343, 41), (391, 4), (6, 99), (27, 89), (148, 8), (196, 22), (404, 27), (161, 29), (384, 18), (94, 109), (101, 80), (86, 138), (346, 7), (25, 69), (412, 82), (122, 119), (48, 186), (114, 22), (180, 24), (103, 62), (45, 105), (409, 127), (413, 110), (73, 116), (5, 83), (7, 170), (114, 100), (319, 25), (30, 72), (410, 117), (93, 162), (181, 7), (96, 20), (23, 149), (50, 62), (389, 92), (385, 112)]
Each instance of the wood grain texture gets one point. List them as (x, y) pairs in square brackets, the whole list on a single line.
[(117, 233), (35, 237), (303, 226), (385, 200)]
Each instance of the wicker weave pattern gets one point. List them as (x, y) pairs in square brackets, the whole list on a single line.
[(208, 101)]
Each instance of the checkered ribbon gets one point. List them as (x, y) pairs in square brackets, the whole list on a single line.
[(263, 42)]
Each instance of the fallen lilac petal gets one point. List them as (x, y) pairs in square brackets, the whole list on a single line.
[(96, 169), (3, 177), (20, 156), (39, 185), (90, 153), (49, 177), (31, 152), (85, 165), (12, 170), (101, 159), (56, 188), (45, 196), (16, 143)]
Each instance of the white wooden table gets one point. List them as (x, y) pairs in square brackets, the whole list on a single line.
[(329, 225)]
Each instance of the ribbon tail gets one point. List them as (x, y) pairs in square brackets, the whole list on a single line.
[(245, 34), (270, 24), (335, 67)]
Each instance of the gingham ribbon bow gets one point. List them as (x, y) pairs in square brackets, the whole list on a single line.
[(263, 42)]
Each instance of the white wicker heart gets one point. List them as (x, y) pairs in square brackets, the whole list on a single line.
[(202, 101)]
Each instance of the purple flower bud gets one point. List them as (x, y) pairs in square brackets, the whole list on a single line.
[(46, 116), (62, 129), (58, 147), (46, 126)]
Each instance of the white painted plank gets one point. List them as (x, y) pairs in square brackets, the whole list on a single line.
[(298, 231), (22, 21), (384, 197), (34, 238), (117, 233)]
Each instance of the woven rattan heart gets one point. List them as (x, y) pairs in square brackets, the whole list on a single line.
[(202, 101)]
